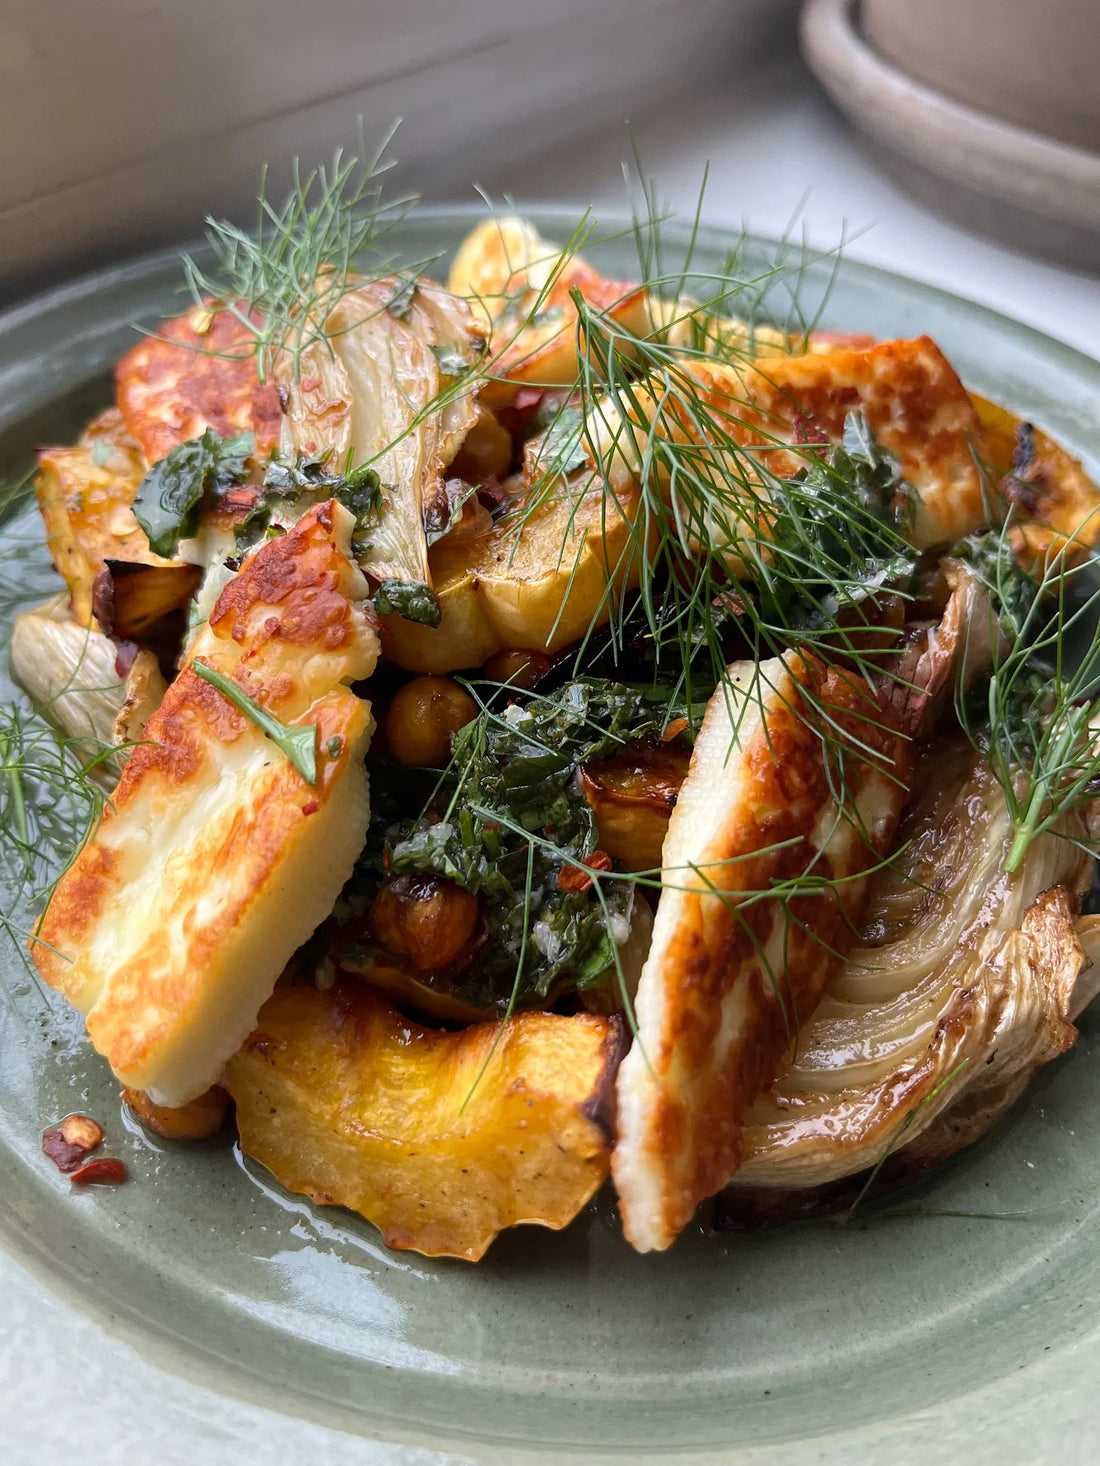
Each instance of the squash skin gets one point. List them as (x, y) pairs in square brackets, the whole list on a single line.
[(1034, 471), (349, 1103)]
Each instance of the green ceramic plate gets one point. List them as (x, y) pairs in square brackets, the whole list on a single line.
[(734, 1346)]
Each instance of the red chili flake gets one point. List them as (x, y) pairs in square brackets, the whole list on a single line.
[(310, 384), (311, 808), (55, 1147), (241, 498), (70, 1142), (106, 1171), (674, 729), (573, 880)]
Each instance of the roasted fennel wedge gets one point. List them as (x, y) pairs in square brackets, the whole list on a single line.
[(73, 676), (373, 390), (962, 986)]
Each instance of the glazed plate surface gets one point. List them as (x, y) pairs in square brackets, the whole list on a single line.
[(730, 1346)]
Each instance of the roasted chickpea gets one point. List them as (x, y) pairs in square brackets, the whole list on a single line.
[(425, 918), (193, 1121), (421, 718), (519, 668), (487, 451)]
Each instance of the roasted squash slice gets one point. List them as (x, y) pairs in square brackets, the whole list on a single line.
[(84, 494), (440, 1139), (1041, 478), (523, 286), (536, 581)]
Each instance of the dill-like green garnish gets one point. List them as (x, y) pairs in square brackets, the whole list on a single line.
[(802, 559), (298, 743), (1036, 718), (283, 279), (50, 803)]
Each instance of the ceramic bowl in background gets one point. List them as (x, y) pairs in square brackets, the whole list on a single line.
[(1029, 189), (1035, 65)]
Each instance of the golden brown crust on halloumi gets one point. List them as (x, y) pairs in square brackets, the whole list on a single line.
[(197, 372), (215, 859), (84, 495), (732, 970), (914, 404)]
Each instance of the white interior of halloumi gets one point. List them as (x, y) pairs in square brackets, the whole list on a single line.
[(162, 849)]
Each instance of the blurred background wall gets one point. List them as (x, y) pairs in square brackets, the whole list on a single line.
[(123, 122)]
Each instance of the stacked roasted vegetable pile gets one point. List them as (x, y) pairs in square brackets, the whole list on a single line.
[(563, 728)]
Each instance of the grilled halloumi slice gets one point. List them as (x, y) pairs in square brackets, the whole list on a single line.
[(763, 880), (914, 404), (215, 859), (196, 372)]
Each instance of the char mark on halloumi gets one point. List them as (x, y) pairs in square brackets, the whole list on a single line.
[(913, 402), (198, 371)]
